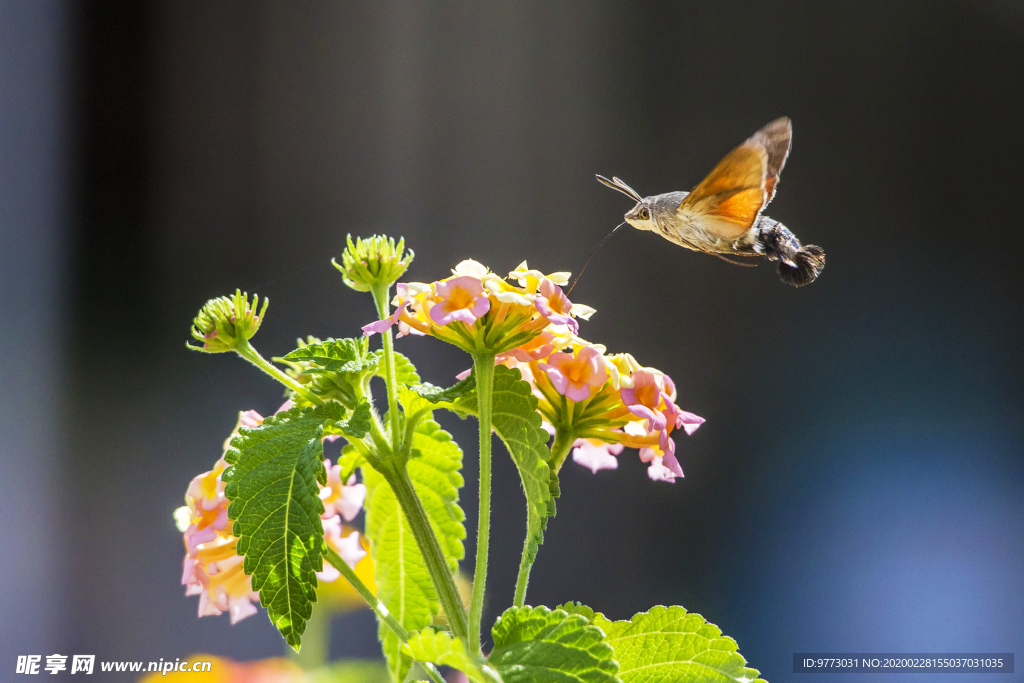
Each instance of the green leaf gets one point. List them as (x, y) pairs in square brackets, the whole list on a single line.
[(537, 645), (357, 424), (403, 583), (436, 394), (336, 355), (337, 369), (272, 486), (405, 371), (516, 421), (668, 644), (438, 647)]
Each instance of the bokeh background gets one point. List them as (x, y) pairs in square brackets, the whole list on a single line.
[(858, 484)]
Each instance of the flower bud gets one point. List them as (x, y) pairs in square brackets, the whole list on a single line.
[(373, 261), (223, 323)]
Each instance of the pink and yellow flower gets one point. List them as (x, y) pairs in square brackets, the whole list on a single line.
[(607, 402), (482, 313), (213, 570), (576, 375)]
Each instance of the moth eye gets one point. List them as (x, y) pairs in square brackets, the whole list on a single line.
[(644, 214)]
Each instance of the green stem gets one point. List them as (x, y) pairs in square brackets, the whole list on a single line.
[(483, 368), (378, 607), (380, 297), (249, 353), (559, 450), (433, 556)]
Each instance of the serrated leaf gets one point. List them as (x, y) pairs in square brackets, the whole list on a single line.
[(435, 394), (538, 645), (669, 644), (272, 486), (356, 425), (438, 647), (335, 369), (403, 582), (336, 355), (517, 423)]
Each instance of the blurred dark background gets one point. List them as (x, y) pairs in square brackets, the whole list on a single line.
[(858, 484)]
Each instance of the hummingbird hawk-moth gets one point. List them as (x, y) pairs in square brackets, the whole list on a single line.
[(722, 216)]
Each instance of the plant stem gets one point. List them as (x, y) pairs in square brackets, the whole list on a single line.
[(559, 450), (380, 297), (433, 556), (483, 368), (378, 607), (249, 353)]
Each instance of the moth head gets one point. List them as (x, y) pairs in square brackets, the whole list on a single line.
[(641, 217)]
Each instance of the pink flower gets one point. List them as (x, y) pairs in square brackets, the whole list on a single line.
[(576, 376), (555, 306), (349, 547), (647, 398), (461, 299), (538, 348), (382, 325), (596, 455), (344, 499), (212, 568)]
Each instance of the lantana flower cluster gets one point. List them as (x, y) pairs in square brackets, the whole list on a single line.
[(481, 312), (606, 401), (213, 568)]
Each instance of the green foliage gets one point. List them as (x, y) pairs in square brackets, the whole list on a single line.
[(438, 647), (357, 424), (405, 371), (336, 369), (435, 394), (668, 644), (272, 486), (538, 645), (403, 582), (517, 422)]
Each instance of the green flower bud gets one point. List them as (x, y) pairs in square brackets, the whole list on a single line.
[(373, 261), (225, 322)]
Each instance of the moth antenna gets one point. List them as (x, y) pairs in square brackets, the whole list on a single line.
[(585, 263), (632, 192), (618, 188)]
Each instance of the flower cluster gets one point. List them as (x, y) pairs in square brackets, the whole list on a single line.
[(605, 402), (226, 322), (483, 313), (213, 569), (373, 261)]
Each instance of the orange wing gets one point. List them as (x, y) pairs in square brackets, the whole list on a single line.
[(729, 200), (777, 139)]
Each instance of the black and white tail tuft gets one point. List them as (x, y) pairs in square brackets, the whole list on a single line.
[(798, 265)]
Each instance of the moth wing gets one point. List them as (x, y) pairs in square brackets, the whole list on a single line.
[(729, 200), (777, 140)]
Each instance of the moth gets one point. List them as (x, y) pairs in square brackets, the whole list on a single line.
[(722, 216)]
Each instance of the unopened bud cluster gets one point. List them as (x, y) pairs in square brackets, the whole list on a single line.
[(224, 322), (373, 261)]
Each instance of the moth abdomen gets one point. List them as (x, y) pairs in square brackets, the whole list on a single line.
[(798, 265)]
